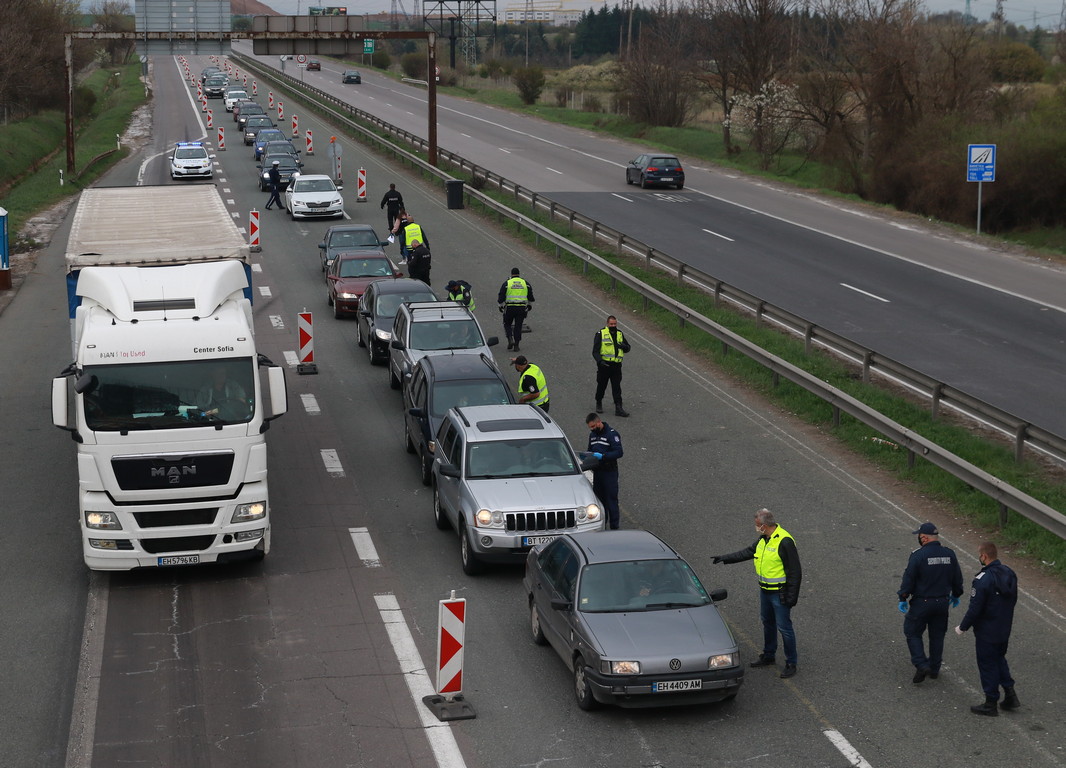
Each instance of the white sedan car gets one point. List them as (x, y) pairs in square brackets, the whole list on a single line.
[(313, 196), (233, 97)]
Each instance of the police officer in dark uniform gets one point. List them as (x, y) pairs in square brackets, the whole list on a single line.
[(394, 201), (515, 300), (605, 445), (993, 595), (932, 580), (608, 347), (419, 261), (275, 186)]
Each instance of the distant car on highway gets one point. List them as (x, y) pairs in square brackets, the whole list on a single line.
[(313, 196), (288, 166), (253, 125), (215, 86), (245, 110), (265, 135), (631, 620), (232, 96), (314, 65), (351, 76), (190, 160), (647, 170)]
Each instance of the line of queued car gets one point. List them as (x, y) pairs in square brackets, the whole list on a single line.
[(623, 610)]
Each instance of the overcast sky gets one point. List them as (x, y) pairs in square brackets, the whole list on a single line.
[(1022, 12)]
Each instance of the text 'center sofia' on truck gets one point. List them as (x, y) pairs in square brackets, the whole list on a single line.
[(164, 396)]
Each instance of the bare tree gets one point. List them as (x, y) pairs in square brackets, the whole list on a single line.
[(656, 79), (115, 16), (31, 54)]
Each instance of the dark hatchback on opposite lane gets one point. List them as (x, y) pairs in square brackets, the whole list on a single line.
[(648, 170), (631, 620)]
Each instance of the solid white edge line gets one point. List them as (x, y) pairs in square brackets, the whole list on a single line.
[(364, 547), (865, 293), (438, 734), (849, 752), (709, 232), (82, 734)]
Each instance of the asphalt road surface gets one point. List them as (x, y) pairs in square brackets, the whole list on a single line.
[(319, 655)]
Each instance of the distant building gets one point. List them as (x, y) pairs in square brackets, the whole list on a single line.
[(552, 13)]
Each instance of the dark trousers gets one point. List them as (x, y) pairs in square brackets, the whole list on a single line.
[(275, 198), (419, 274), (513, 317), (992, 664), (776, 617), (392, 218), (926, 614), (609, 372), (605, 486)]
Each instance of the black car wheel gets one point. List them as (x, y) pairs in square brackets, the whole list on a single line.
[(408, 444), (582, 689), (359, 339), (643, 182), (471, 565), (534, 623), (628, 180), (393, 381), (438, 513), (427, 469), (680, 185)]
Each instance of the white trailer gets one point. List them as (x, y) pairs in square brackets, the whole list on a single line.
[(167, 406)]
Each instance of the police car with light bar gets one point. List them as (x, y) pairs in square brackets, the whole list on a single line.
[(191, 160)]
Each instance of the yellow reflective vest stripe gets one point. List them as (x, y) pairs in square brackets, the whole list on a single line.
[(608, 353), (412, 232), (542, 384), (768, 566), (517, 292)]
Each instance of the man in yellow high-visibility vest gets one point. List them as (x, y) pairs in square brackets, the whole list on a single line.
[(777, 567), (532, 384), (608, 347)]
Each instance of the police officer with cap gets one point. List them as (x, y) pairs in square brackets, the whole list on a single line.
[(275, 185), (931, 582), (532, 384), (515, 300), (460, 291)]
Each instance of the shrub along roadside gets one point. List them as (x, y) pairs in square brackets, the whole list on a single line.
[(116, 100)]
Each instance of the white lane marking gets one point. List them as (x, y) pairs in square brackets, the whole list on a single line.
[(277, 321), (255, 267), (226, 190), (554, 171), (849, 752), (440, 736), (230, 201), (310, 404), (264, 291), (505, 150), (291, 358), (364, 547), (865, 293), (235, 215), (332, 462), (465, 135), (87, 687), (709, 232), (623, 197)]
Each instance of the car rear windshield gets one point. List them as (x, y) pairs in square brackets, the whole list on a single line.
[(639, 585), (445, 334), (665, 162), (388, 304), (458, 394), (544, 457)]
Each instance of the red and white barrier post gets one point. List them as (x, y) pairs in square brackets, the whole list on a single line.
[(295, 126), (253, 231), (310, 146), (281, 112), (246, 81), (255, 88), (448, 703), (221, 139), (360, 186), (270, 100), (210, 118), (203, 103), (305, 330)]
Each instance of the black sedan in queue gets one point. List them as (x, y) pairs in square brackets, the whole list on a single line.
[(377, 311), (631, 620)]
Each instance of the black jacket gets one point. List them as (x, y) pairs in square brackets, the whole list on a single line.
[(932, 571), (275, 178), (597, 340), (992, 599), (394, 200)]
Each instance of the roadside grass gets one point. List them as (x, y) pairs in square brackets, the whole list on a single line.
[(117, 98), (24, 143), (993, 455)]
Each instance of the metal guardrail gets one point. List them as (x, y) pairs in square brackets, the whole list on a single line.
[(940, 394)]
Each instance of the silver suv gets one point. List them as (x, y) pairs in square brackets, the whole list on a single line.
[(433, 328), (506, 479)]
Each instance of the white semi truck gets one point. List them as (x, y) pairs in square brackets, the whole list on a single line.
[(164, 396)]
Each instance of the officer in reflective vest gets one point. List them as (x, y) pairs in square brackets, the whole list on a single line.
[(777, 567), (515, 300), (532, 386), (608, 348), (460, 291)]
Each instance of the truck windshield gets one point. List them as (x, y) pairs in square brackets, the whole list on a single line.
[(192, 393)]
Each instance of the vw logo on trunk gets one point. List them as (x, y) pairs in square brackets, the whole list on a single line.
[(675, 664)]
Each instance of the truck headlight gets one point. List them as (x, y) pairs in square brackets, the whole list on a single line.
[(722, 660), (102, 521), (489, 519), (255, 510), (620, 667), (591, 513)]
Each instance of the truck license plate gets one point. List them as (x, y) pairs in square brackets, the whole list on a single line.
[(666, 686), (179, 560), (532, 541)]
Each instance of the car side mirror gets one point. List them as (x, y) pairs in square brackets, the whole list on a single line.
[(718, 595), (322, 246), (562, 605), (339, 188), (397, 344), (334, 278), (492, 341), (448, 470), (365, 312), (416, 412)]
